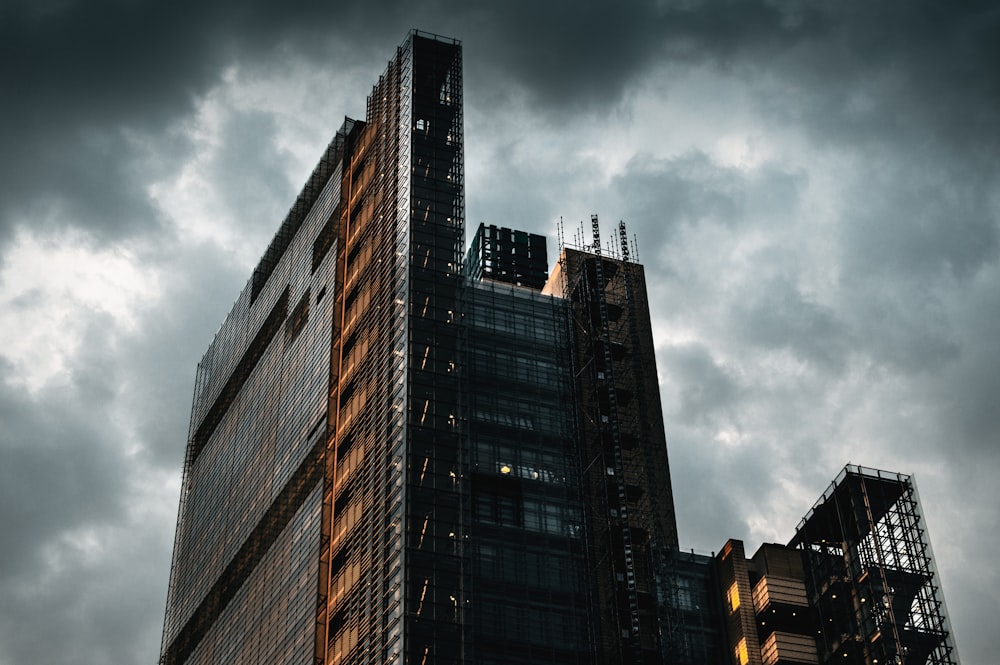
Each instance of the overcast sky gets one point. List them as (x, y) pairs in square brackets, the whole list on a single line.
[(815, 188)]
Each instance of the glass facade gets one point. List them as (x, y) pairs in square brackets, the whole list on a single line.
[(244, 572), (320, 482), (526, 592), (691, 628)]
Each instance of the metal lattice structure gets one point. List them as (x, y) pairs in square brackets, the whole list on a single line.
[(631, 528), (870, 573)]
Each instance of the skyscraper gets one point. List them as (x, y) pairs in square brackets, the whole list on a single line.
[(402, 453), (324, 431)]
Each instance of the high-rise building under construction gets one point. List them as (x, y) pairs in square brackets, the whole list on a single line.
[(403, 453), (385, 454)]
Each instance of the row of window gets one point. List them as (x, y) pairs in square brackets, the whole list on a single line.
[(533, 625), (508, 510)]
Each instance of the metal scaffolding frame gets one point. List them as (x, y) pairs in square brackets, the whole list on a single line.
[(870, 573), (631, 524)]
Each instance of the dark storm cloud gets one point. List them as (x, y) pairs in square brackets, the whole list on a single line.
[(85, 81), (707, 395), (902, 94), (62, 469), (775, 314), (667, 196), (82, 460), (174, 331), (930, 212), (684, 190), (82, 79), (872, 71), (255, 197)]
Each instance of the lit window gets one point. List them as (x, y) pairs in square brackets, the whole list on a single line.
[(733, 595), (742, 656)]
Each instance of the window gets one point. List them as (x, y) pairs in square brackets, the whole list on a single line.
[(497, 509), (733, 596), (742, 656)]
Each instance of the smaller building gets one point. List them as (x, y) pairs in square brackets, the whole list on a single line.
[(855, 586), (870, 575), (767, 614), (692, 631)]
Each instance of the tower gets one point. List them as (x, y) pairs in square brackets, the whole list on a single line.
[(319, 477), (390, 572)]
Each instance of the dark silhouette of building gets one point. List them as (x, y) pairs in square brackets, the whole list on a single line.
[(855, 585), (508, 255), (631, 529), (403, 453), (526, 557), (869, 573)]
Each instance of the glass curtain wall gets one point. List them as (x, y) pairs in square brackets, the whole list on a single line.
[(527, 589)]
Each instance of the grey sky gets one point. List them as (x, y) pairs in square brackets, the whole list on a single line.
[(815, 188)]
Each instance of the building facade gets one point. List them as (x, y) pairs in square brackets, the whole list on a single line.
[(244, 578), (526, 558), (384, 460), (319, 485), (400, 452), (631, 528), (855, 585)]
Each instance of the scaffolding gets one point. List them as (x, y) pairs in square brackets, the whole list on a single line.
[(870, 573), (630, 515)]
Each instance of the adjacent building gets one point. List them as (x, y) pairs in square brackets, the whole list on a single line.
[(403, 452), (856, 584), (869, 573)]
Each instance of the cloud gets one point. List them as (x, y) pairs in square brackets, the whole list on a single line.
[(813, 188), (706, 388), (777, 315)]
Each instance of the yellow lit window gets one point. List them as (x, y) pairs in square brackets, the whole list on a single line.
[(742, 657), (733, 595)]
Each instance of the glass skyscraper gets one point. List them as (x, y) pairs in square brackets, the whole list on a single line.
[(321, 507)]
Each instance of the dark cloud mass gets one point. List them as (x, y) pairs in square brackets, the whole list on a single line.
[(813, 187)]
